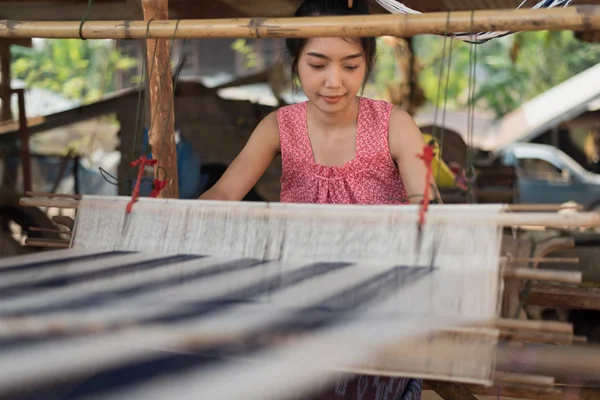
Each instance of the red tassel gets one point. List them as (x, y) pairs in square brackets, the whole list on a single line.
[(157, 187), (141, 162), (427, 157)]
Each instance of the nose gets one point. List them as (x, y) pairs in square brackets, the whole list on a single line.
[(334, 78)]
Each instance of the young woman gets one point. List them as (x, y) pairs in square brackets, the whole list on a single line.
[(337, 147)]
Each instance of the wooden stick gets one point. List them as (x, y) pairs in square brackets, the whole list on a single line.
[(578, 18), (574, 361), (544, 207), (522, 379), (51, 203), (546, 260), (59, 244), (161, 135), (36, 229), (53, 195), (542, 337), (544, 275), (530, 325)]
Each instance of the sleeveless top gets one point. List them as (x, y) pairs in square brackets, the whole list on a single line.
[(370, 178)]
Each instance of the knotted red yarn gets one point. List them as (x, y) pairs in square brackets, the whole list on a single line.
[(141, 162), (427, 157), (157, 187)]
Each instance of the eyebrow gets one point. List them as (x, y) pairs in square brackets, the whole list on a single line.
[(319, 55)]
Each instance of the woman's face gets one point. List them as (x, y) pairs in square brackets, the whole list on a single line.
[(331, 72)]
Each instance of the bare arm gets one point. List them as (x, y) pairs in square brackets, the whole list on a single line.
[(406, 143), (247, 168)]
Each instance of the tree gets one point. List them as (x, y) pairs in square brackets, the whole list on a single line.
[(82, 70), (508, 71)]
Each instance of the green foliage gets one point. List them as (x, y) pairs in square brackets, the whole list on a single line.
[(82, 70), (251, 58), (385, 71), (509, 71)]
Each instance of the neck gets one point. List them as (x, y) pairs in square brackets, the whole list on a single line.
[(332, 121)]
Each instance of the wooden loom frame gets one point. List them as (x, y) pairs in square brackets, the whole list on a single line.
[(580, 18)]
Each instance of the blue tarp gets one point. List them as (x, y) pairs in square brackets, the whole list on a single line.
[(91, 181), (189, 163)]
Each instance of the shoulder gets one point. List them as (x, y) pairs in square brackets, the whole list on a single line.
[(291, 111), (400, 119), (379, 108), (291, 120), (404, 134)]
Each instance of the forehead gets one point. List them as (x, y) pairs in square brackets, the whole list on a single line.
[(333, 47)]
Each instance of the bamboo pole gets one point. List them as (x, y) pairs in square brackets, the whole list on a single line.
[(577, 18), (574, 277), (541, 219), (509, 208), (161, 135)]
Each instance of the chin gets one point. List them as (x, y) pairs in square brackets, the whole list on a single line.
[(337, 106)]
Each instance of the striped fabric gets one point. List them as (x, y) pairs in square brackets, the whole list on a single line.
[(120, 325)]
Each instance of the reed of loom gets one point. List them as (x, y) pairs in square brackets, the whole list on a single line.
[(577, 18)]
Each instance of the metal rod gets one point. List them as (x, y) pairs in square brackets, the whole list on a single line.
[(578, 18)]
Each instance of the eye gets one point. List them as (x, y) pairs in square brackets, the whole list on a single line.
[(317, 66), (351, 67)]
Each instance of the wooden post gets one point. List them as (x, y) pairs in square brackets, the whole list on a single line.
[(162, 130), (24, 139), (5, 89)]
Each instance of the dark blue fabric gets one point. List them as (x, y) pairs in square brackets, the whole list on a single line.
[(189, 164)]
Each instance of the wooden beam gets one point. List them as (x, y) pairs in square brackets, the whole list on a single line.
[(582, 298), (450, 390), (577, 18), (24, 141), (5, 78), (161, 135)]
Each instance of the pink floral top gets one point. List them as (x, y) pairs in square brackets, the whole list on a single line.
[(370, 178)]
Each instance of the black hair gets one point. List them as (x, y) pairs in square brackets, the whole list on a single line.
[(316, 8)]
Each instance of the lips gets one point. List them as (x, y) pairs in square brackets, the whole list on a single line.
[(332, 99)]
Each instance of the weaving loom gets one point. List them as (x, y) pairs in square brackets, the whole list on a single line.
[(259, 293), (187, 299)]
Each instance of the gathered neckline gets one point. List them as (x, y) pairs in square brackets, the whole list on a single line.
[(308, 143)]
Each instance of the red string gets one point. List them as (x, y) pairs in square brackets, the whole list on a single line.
[(157, 187), (141, 162), (427, 157)]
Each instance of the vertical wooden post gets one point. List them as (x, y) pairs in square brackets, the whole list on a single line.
[(24, 138), (5, 89), (162, 132)]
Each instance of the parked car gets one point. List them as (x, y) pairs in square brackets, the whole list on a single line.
[(548, 175)]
